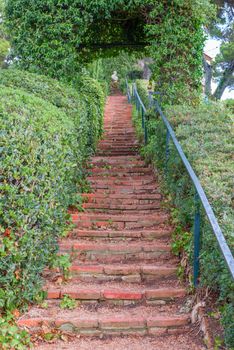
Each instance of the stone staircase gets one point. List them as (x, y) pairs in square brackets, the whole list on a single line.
[(123, 273)]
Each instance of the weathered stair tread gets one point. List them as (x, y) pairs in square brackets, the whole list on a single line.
[(132, 247), (122, 196), (132, 342), (104, 318), (115, 291), (143, 234), (126, 273)]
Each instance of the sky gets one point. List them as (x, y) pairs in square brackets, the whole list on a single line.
[(212, 49)]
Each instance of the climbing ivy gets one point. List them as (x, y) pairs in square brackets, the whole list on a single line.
[(60, 37)]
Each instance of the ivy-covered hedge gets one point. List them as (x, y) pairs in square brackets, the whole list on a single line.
[(206, 135), (143, 92), (58, 38), (39, 168), (93, 97), (84, 104)]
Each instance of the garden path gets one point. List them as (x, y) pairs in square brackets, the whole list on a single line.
[(123, 274)]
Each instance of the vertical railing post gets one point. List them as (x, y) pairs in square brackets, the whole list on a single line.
[(197, 229), (142, 118), (167, 150), (146, 131)]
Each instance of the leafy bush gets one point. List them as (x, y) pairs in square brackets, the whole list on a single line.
[(37, 172), (58, 39), (43, 146), (142, 90), (94, 99), (205, 133), (71, 102)]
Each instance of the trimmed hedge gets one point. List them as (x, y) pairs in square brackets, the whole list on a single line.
[(41, 158), (94, 99), (206, 135), (85, 106)]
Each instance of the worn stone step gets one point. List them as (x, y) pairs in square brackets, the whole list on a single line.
[(114, 187), (160, 232), (120, 173), (142, 321), (127, 207), (119, 222), (129, 181), (116, 203), (116, 293), (142, 198), (125, 273), (112, 252)]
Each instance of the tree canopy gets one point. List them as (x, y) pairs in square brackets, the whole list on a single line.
[(60, 37), (222, 29)]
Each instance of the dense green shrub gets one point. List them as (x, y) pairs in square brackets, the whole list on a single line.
[(37, 171), (142, 90), (43, 144), (94, 100), (206, 135), (85, 115)]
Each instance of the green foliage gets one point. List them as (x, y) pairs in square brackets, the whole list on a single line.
[(63, 262), (58, 39), (68, 303), (4, 46), (84, 107), (206, 135), (94, 100), (11, 337), (142, 90), (222, 28), (37, 172), (41, 170), (124, 63)]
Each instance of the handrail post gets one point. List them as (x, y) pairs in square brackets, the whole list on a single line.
[(168, 136), (144, 126), (197, 228), (146, 132), (142, 118)]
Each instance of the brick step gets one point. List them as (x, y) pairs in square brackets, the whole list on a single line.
[(120, 140), (108, 207), (126, 159), (113, 153), (137, 180), (121, 185), (115, 321), (120, 150), (106, 163), (110, 252), (118, 143), (125, 190), (124, 273), (142, 198), (143, 235), (116, 293), (116, 202), (109, 183), (120, 173), (118, 211), (118, 222), (125, 134)]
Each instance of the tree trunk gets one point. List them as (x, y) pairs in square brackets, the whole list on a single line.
[(207, 76), (225, 81)]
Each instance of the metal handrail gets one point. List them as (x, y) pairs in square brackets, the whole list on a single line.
[(200, 195)]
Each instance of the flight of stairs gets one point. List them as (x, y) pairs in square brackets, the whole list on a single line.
[(123, 273)]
